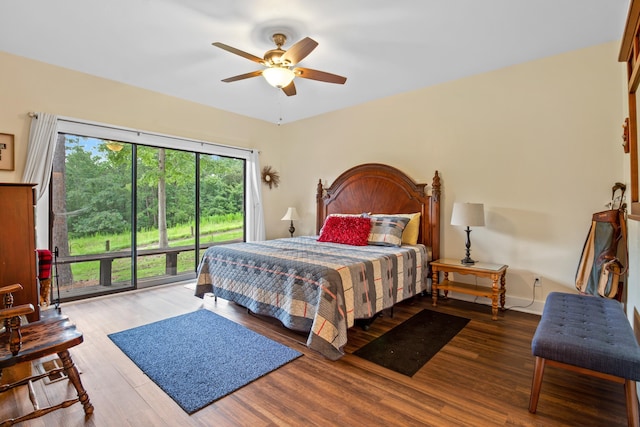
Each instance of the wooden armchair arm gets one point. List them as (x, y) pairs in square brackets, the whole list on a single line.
[(12, 323), (20, 310), (10, 288)]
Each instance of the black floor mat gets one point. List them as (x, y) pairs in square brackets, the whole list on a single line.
[(408, 346)]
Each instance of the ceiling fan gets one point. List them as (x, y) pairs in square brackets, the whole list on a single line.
[(280, 64)]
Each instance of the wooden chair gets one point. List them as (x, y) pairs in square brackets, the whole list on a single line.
[(33, 341)]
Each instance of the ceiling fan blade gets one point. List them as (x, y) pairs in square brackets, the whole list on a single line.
[(308, 73), (290, 89), (239, 52), (242, 76), (299, 51)]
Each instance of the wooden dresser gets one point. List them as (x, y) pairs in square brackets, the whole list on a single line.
[(17, 243)]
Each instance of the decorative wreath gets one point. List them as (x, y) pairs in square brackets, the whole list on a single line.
[(270, 177)]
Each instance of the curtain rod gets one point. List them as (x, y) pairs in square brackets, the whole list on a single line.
[(139, 132)]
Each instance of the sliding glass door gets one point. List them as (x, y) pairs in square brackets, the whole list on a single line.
[(166, 214), (127, 216), (91, 212)]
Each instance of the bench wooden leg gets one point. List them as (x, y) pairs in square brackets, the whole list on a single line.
[(631, 395), (536, 384), (74, 377), (632, 403)]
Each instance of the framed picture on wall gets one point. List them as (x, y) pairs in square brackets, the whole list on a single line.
[(6, 151)]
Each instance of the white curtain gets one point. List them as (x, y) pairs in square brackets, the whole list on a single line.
[(255, 214), (42, 142)]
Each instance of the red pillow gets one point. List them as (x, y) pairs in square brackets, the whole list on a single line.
[(348, 230)]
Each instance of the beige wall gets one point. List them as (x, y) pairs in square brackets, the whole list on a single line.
[(537, 143), (27, 85)]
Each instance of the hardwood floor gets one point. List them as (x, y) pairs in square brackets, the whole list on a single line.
[(481, 378)]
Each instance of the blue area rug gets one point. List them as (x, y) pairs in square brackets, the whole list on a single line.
[(199, 357)]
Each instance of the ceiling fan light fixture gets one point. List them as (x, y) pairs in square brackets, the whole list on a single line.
[(279, 63), (278, 77), (114, 146)]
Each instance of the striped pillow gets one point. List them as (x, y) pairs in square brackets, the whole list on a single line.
[(387, 230), (411, 231)]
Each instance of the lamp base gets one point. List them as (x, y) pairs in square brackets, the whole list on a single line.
[(467, 261), (292, 229)]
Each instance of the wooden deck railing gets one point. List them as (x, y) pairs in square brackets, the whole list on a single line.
[(106, 259)]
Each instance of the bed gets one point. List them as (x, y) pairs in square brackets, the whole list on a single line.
[(322, 284)]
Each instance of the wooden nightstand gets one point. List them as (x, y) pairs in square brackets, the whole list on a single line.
[(495, 272)]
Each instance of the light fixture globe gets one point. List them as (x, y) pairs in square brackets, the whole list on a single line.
[(278, 76), (114, 146)]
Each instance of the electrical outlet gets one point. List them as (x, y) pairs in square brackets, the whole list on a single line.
[(537, 280)]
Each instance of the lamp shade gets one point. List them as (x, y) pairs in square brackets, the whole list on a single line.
[(278, 76), (468, 214), (291, 215)]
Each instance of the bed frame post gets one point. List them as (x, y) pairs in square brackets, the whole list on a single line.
[(320, 214), (434, 215)]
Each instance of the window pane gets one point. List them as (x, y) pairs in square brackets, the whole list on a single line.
[(91, 205), (166, 214), (222, 212)]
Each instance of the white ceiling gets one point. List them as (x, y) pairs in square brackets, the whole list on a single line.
[(382, 47)]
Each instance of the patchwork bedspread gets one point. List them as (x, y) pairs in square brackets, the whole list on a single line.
[(312, 286)]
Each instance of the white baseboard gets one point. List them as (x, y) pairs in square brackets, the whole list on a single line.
[(511, 303)]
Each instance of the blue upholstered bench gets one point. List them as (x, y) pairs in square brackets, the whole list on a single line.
[(590, 335)]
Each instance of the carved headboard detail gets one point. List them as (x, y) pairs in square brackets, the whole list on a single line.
[(379, 188)]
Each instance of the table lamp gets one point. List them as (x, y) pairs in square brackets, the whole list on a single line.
[(468, 214), (291, 215)]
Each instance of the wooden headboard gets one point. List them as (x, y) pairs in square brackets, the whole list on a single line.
[(378, 188)]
